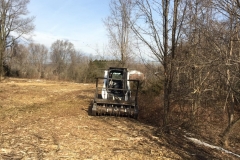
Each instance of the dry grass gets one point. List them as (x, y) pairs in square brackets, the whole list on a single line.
[(49, 120)]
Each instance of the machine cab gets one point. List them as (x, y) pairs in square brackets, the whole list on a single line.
[(116, 84)]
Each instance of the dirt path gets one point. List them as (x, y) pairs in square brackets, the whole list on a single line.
[(49, 120)]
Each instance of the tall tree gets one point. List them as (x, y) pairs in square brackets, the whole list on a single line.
[(38, 56), (230, 50), (61, 53), (118, 27), (14, 24), (199, 60), (75, 66), (19, 62), (159, 29)]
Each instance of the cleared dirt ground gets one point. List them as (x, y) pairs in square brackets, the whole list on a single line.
[(49, 120)]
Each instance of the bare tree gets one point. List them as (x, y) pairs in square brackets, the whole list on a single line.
[(76, 66), (61, 54), (19, 62), (13, 24), (118, 27), (38, 57), (156, 27), (195, 58), (230, 52)]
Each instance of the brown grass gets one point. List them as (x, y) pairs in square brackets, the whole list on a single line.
[(48, 120)]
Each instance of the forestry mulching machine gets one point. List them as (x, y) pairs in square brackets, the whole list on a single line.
[(117, 96)]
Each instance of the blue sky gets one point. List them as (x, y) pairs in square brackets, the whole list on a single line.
[(79, 21)]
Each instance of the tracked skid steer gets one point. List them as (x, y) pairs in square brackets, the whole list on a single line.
[(116, 94)]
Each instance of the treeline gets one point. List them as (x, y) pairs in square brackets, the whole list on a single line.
[(61, 62)]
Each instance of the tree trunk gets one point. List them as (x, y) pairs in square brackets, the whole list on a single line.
[(167, 88), (167, 91), (1, 65)]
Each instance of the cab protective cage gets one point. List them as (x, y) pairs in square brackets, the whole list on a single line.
[(118, 94)]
